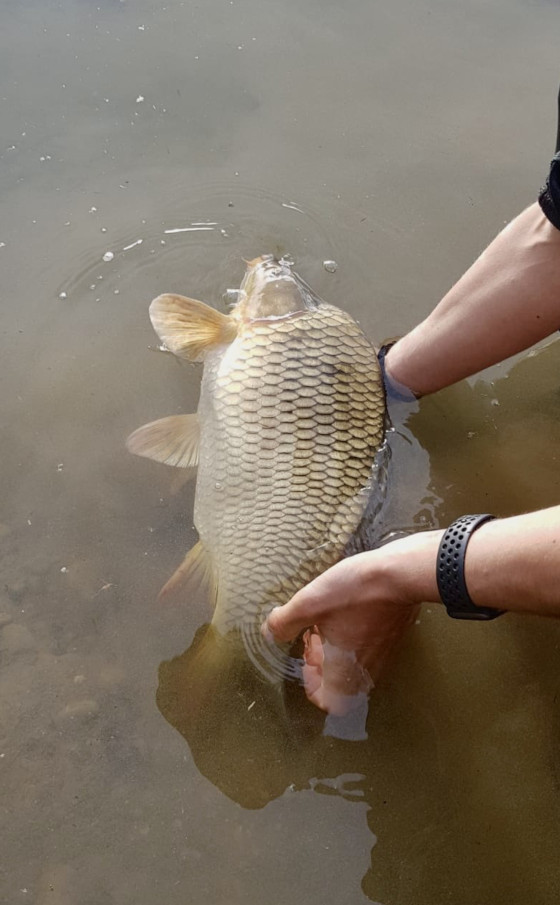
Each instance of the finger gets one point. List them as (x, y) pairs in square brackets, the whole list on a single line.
[(286, 622), (312, 647), (312, 670)]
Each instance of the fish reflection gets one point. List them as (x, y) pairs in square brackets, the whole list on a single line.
[(246, 735)]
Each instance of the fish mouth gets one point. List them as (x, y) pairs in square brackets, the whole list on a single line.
[(270, 266), (271, 290)]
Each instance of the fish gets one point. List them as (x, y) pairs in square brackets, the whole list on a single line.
[(286, 441)]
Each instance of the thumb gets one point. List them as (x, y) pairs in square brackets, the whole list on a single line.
[(286, 622)]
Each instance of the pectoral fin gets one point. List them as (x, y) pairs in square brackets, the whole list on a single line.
[(173, 441), (196, 570), (188, 328)]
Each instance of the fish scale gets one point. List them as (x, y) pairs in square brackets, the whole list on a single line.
[(311, 487)]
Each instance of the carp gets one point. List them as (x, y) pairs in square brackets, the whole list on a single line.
[(289, 427)]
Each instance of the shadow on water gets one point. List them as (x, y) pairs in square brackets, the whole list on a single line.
[(460, 768)]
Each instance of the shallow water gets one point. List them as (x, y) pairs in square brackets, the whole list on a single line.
[(394, 139)]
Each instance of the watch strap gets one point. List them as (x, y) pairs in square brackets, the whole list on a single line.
[(450, 571)]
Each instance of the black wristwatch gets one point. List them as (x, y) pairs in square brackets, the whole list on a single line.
[(450, 571)]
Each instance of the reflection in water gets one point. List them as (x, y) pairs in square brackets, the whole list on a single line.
[(492, 442), (246, 735)]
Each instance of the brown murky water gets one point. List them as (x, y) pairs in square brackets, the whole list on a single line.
[(395, 139)]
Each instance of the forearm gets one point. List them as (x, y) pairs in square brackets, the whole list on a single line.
[(514, 563), (511, 564), (508, 300)]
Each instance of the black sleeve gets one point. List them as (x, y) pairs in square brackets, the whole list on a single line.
[(549, 196), (558, 127)]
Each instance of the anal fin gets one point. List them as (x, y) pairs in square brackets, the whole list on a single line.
[(196, 571)]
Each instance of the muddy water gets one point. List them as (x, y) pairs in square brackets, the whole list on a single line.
[(394, 139)]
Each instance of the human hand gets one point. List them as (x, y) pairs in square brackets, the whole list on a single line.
[(355, 613)]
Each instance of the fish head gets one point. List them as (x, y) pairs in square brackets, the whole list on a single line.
[(270, 290)]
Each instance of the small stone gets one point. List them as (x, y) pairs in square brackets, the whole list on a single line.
[(84, 709), (111, 675), (17, 589), (16, 638)]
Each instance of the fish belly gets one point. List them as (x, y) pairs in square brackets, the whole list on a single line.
[(292, 414)]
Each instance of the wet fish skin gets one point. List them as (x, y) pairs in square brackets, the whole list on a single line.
[(291, 416)]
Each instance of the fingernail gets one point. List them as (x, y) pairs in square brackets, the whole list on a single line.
[(266, 633)]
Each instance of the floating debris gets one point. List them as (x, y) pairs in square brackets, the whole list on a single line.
[(231, 297), (330, 266), (292, 206), (133, 245), (108, 256), (63, 295), (189, 229)]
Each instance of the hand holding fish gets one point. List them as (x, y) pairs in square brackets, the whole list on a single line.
[(364, 603), (355, 613)]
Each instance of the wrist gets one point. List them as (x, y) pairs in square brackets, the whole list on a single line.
[(410, 567)]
